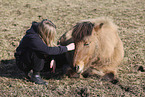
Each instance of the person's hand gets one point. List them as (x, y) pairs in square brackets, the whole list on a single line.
[(70, 47), (53, 65)]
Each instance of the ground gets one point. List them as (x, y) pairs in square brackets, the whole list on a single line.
[(16, 17)]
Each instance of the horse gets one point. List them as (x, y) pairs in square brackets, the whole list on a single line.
[(98, 47)]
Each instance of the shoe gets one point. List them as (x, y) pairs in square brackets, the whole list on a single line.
[(37, 79), (27, 75)]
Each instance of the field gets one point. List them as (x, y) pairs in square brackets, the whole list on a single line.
[(16, 17)]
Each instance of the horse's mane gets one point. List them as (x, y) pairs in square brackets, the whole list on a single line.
[(80, 30)]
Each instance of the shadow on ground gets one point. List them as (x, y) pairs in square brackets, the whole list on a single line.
[(9, 69)]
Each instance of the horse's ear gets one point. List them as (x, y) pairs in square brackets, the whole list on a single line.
[(101, 24), (97, 27)]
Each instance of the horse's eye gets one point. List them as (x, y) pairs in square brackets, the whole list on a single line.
[(86, 44)]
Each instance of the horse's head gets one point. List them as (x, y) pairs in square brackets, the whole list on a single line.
[(84, 37)]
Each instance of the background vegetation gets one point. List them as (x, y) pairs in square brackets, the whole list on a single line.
[(16, 17)]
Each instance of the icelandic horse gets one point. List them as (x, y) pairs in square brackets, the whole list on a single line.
[(98, 47)]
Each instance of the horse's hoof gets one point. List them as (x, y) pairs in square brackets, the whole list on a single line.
[(114, 81), (108, 77)]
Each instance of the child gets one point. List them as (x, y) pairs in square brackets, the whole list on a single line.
[(38, 43)]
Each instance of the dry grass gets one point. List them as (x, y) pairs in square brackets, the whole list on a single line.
[(16, 17)]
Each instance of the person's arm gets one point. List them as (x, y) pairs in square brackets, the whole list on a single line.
[(38, 45)]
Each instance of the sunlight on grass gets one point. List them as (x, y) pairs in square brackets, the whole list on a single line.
[(16, 17)]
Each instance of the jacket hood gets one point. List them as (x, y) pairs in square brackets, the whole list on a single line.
[(33, 29)]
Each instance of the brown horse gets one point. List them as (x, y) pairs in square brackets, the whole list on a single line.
[(99, 50)]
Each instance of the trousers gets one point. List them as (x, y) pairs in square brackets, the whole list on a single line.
[(31, 60)]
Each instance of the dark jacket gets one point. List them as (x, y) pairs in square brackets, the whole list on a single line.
[(32, 41)]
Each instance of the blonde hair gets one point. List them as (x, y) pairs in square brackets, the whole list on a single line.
[(47, 31)]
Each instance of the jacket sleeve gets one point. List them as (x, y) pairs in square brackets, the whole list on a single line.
[(37, 44)]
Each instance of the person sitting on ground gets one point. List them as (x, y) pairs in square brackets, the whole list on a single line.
[(37, 43)]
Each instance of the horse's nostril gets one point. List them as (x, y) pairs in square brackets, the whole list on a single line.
[(77, 68)]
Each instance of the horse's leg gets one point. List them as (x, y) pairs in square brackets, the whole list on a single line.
[(117, 57), (92, 72)]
